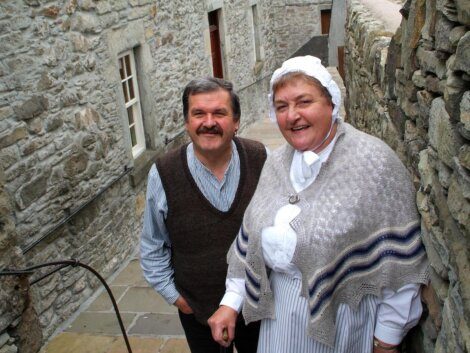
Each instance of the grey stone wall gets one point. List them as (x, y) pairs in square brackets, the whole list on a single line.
[(74, 189), (411, 88)]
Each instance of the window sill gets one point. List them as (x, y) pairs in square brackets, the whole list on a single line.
[(142, 165)]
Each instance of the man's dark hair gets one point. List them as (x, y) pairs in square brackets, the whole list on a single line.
[(210, 84)]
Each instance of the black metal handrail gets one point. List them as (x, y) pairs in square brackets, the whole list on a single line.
[(74, 263)]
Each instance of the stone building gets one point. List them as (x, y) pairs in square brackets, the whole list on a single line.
[(408, 83), (89, 96)]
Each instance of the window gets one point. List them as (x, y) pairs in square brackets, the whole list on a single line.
[(130, 90), (216, 51), (256, 35)]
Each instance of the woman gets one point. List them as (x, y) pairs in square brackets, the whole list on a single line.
[(329, 256)]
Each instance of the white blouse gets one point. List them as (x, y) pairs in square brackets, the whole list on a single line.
[(397, 312)]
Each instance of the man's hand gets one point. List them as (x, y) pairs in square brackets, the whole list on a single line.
[(224, 319), (183, 305)]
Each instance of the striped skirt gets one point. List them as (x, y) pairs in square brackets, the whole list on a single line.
[(288, 332)]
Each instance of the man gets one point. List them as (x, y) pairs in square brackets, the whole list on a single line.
[(196, 197)]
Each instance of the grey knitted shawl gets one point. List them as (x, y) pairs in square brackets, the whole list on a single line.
[(358, 231)]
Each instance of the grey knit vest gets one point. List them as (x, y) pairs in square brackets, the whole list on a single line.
[(358, 231)]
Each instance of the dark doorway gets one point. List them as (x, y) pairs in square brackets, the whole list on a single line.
[(216, 51), (325, 21)]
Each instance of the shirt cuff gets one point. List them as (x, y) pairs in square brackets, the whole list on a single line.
[(232, 300), (170, 294), (388, 334)]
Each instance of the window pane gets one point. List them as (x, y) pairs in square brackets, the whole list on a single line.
[(124, 88), (131, 88), (133, 137), (130, 115), (121, 68), (128, 65)]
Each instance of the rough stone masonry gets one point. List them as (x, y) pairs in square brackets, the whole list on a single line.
[(410, 87)]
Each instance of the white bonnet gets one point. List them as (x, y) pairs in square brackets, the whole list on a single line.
[(311, 66)]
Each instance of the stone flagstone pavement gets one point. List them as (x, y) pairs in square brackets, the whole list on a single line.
[(151, 324)]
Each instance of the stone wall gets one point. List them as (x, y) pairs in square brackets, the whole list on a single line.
[(410, 87), (74, 188)]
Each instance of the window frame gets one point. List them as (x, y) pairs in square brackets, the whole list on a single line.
[(133, 104), (258, 55)]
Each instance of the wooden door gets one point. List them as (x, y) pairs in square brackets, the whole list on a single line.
[(216, 51)]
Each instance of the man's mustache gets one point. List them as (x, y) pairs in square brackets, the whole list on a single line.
[(216, 130)]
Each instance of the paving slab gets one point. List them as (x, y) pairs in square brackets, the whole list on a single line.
[(68, 342), (175, 345), (131, 275), (100, 323), (144, 300), (265, 131), (138, 345), (103, 302), (156, 324)]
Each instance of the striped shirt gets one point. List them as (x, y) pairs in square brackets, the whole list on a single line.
[(155, 245)]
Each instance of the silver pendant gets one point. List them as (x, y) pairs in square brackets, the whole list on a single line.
[(293, 199)]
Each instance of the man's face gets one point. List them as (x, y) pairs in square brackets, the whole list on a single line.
[(210, 123)]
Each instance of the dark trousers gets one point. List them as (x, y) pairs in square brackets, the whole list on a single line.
[(200, 339)]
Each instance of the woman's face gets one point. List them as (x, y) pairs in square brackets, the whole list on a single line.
[(303, 114)]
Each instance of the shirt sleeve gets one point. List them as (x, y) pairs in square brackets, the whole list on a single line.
[(155, 245), (397, 313), (234, 293)]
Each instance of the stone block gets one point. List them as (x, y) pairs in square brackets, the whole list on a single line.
[(455, 35), (453, 93), (443, 29), (430, 63), (31, 108), (9, 156), (79, 42), (443, 135), (51, 11), (463, 177), (86, 118), (140, 2), (435, 261), (32, 191), (465, 115), (433, 304), (447, 7), (85, 23), (76, 164), (35, 126), (459, 207), (418, 79), (69, 98), (464, 156), (444, 174), (29, 331), (11, 137), (53, 123), (462, 55), (109, 19), (424, 105), (463, 11)]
